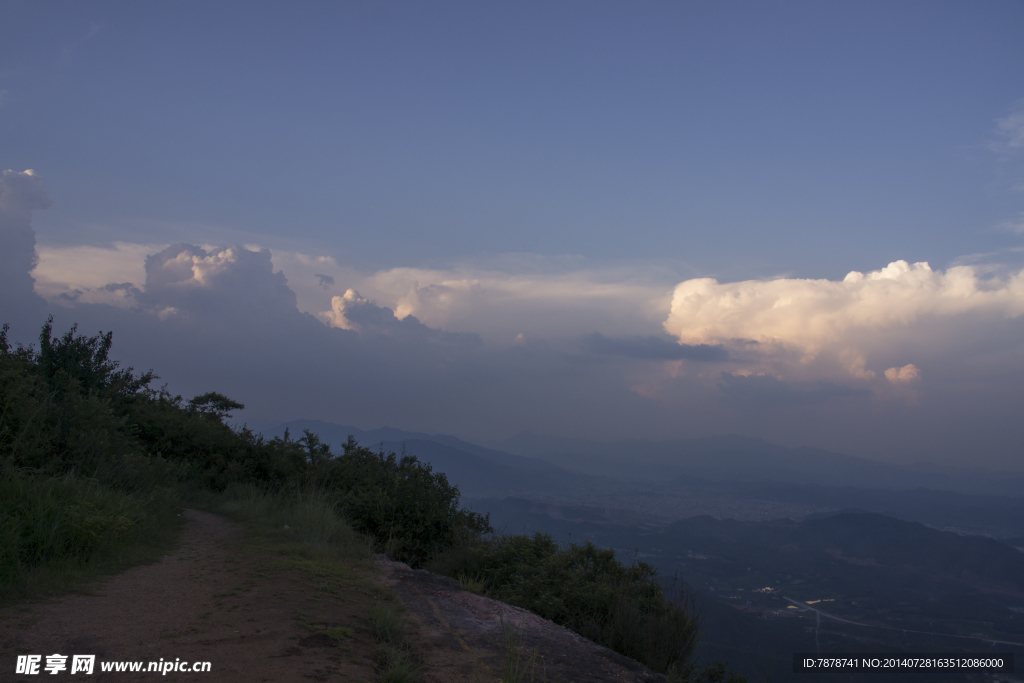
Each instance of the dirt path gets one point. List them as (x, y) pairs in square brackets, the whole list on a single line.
[(256, 614), (211, 600)]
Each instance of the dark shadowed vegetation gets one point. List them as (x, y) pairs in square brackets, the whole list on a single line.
[(95, 464), (591, 591)]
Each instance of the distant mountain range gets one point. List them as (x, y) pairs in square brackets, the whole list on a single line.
[(729, 474), (476, 470), (719, 458), (867, 568), (737, 458), (864, 567)]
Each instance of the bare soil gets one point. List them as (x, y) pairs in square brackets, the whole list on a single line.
[(258, 615), (211, 600)]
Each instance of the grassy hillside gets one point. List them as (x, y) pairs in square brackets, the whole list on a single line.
[(95, 463)]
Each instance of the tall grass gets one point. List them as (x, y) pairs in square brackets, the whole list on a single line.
[(515, 668), (393, 652), (386, 624), (56, 531), (306, 516)]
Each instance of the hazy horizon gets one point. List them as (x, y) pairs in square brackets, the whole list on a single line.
[(802, 223)]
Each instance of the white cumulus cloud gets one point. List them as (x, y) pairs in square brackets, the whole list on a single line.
[(336, 316), (802, 327), (232, 282), (908, 373), (497, 301)]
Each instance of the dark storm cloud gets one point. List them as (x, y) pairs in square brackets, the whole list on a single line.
[(652, 348), (765, 391), (126, 287), (230, 281), (223, 319), (20, 195)]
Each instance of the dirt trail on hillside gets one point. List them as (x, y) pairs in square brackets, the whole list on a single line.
[(208, 601), (257, 617)]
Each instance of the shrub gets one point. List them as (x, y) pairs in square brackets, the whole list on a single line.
[(54, 528), (92, 459), (400, 501), (69, 411), (586, 589)]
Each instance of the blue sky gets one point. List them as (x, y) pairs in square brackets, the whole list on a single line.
[(743, 139), (540, 172)]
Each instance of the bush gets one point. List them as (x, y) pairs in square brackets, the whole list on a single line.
[(92, 460), (67, 412), (586, 589), (408, 508), (79, 493), (56, 528)]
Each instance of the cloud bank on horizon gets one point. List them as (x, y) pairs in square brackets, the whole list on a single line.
[(813, 329), (880, 364)]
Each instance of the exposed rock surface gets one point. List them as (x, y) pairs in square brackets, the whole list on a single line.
[(217, 600), (470, 627)]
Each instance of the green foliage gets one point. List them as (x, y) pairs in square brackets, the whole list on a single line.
[(306, 517), (56, 528), (59, 419), (586, 589), (93, 461), (399, 501), (213, 405), (393, 652), (79, 492), (83, 363), (514, 667), (400, 672), (385, 624), (89, 452), (215, 455)]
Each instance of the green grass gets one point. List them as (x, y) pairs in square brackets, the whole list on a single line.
[(303, 523), (393, 654), (61, 533), (473, 584), (385, 624), (400, 672), (302, 530), (515, 665), (387, 655)]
